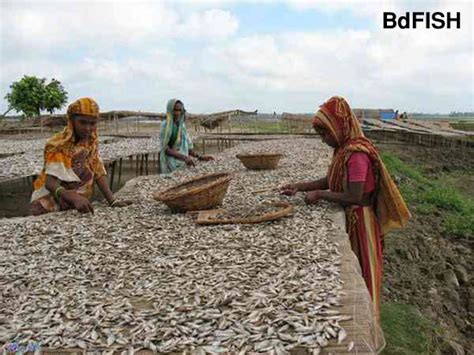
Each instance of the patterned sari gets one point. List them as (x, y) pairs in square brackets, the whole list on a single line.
[(366, 225), (75, 164), (182, 143)]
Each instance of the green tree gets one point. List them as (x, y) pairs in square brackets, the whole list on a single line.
[(55, 96), (30, 95), (26, 95)]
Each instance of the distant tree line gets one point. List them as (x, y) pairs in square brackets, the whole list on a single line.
[(461, 114), (421, 114), (452, 114)]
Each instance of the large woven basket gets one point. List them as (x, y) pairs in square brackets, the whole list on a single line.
[(200, 193), (260, 161)]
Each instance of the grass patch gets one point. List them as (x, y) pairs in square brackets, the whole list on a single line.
[(398, 167), (463, 125), (448, 198), (266, 127), (459, 225), (281, 126), (425, 209), (406, 330), (427, 196)]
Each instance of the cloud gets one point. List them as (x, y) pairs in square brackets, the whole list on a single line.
[(212, 24), (42, 26), (413, 70), (361, 8), (137, 57)]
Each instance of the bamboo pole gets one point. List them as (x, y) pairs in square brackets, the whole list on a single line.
[(112, 175), (146, 163), (120, 171)]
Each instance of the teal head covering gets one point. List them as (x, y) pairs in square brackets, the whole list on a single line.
[(182, 141)]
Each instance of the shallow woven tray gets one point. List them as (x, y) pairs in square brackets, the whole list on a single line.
[(208, 217), (260, 161), (200, 193)]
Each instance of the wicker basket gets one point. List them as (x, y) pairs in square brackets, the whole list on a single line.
[(200, 193), (260, 161)]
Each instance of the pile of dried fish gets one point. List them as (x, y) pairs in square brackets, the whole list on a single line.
[(18, 146), (142, 277), (15, 146), (31, 162), (252, 211), (20, 165)]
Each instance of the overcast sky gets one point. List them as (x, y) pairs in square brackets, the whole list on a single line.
[(218, 55)]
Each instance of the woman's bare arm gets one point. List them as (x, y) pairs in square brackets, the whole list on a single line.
[(320, 184), (105, 188), (79, 202), (52, 183), (354, 195), (176, 154)]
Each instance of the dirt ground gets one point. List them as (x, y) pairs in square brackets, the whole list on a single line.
[(425, 266)]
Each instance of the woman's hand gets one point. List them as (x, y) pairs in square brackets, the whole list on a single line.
[(189, 161), (289, 189), (121, 203), (79, 202), (312, 197), (206, 158)]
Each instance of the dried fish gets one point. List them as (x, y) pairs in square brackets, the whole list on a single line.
[(341, 336), (142, 277), (350, 347), (27, 155)]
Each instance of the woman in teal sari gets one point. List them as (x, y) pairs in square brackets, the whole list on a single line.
[(176, 146)]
